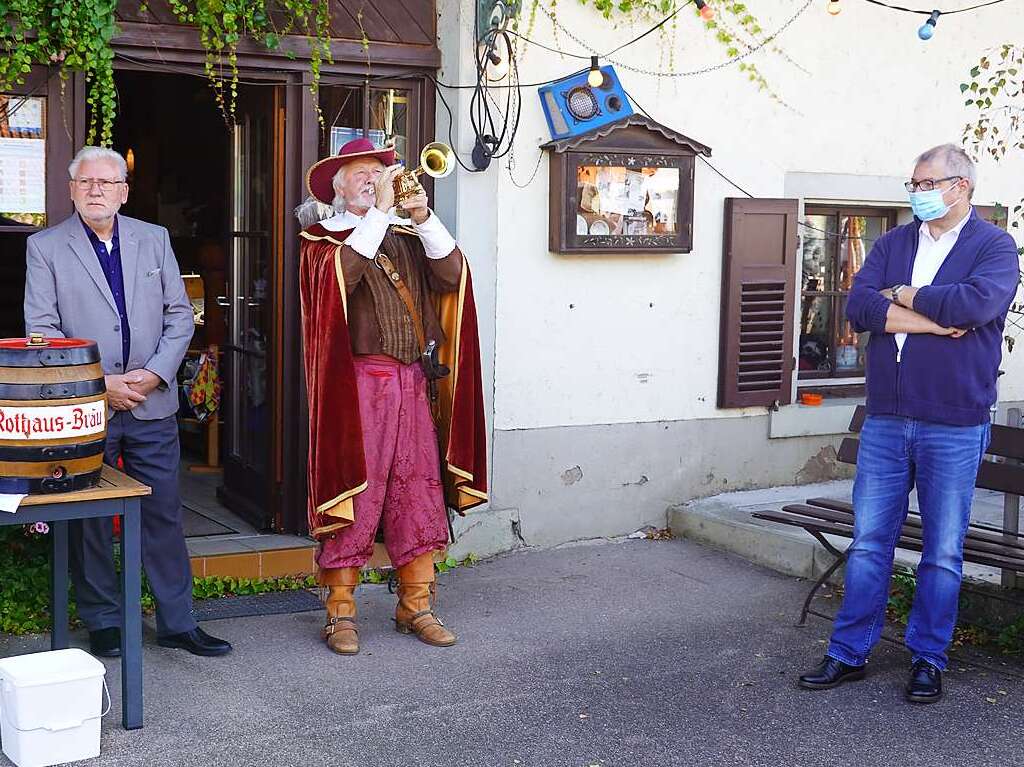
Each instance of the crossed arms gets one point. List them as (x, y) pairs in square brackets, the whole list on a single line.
[(945, 310)]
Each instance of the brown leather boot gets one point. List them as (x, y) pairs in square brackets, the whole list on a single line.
[(340, 632), (413, 614)]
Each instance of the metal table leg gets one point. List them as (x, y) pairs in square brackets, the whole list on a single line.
[(59, 586), (131, 615)]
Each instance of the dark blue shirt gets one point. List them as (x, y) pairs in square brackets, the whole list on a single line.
[(111, 265)]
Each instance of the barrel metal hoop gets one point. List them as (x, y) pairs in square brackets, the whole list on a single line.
[(36, 453), (62, 390), (72, 482), (25, 357)]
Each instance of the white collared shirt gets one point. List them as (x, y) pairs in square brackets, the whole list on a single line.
[(369, 230), (931, 254)]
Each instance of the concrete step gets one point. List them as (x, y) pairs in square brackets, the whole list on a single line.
[(724, 522)]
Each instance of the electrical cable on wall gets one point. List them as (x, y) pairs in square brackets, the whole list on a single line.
[(736, 186)]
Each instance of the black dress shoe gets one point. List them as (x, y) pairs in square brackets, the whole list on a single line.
[(105, 643), (925, 683), (831, 673), (197, 642)]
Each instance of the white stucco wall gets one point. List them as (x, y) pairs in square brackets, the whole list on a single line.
[(619, 339)]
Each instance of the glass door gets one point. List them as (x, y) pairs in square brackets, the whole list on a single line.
[(249, 306)]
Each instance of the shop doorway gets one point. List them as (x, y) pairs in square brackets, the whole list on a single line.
[(214, 188)]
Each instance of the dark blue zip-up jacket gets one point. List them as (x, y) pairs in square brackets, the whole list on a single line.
[(940, 379)]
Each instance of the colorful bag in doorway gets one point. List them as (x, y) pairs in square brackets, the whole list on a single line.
[(203, 389)]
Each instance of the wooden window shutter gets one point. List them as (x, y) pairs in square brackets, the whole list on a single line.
[(758, 297)]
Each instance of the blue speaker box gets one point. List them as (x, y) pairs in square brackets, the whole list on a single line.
[(571, 106)]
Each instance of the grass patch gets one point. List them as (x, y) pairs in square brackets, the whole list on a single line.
[(25, 582)]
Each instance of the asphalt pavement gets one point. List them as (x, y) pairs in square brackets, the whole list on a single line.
[(622, 654)]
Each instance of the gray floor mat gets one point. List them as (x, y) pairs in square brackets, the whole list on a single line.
[(275, 603)]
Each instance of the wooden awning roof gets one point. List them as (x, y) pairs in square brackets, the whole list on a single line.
[(632, 121), (399, 31)]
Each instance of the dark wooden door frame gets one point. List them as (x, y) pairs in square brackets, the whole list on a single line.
[(65, 132), (290, 438)]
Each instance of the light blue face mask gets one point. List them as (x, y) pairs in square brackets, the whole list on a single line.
[(929, 206)]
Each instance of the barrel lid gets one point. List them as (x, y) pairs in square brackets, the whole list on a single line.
[(47, 352)]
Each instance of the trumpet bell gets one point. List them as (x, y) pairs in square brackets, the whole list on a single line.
[(437, 159)]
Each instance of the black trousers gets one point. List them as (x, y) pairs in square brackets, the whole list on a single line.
[(151, 454)]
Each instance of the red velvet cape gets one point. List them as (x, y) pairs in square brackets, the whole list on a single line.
[(337, 467)]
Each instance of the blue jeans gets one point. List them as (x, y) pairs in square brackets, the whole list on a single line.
[(895, 455)]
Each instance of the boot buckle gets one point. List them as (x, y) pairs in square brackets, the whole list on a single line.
[(332, 624)]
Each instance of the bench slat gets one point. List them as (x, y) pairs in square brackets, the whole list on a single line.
[(1014, 562), (848, 450), (1007, 442), (977, 530), (974, 540), (858, 419), (1003, 477)]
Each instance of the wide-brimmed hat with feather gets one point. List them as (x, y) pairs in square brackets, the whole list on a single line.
[(320, 178)]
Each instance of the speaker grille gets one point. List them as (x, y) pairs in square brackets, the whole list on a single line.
[(582, 103)]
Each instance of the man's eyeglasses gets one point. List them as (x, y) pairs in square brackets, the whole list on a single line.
[(927, 184), (106, 185)]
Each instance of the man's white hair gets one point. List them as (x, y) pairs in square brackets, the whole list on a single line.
[(955, 160), (311, 211), (337, 183), (98, 153)]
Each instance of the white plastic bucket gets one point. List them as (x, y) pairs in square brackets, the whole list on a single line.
[(50, 707)]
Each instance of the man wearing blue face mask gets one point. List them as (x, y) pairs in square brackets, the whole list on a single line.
[(934, 296)]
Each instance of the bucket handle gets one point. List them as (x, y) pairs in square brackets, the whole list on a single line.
[(53, 727)]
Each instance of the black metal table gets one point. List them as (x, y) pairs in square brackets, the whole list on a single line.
[(117, 495)]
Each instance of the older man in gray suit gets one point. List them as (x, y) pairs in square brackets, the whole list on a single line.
[(115, 280)]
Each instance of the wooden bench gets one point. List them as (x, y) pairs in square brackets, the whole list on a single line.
[(1000, 547)]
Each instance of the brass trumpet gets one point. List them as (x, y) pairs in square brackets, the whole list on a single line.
[(437, 160)]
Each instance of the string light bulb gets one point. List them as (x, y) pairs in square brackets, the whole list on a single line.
[(833, 7), (928, 28), (595, 77), (706, 11)]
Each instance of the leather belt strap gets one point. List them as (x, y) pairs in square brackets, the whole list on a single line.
[(395, 279)]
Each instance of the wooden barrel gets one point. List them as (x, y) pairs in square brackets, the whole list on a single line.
[(53, 415)]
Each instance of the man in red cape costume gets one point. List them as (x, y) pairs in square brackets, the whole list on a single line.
[(382, 454)]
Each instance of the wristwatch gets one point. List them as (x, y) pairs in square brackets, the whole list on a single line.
[(896, 293)]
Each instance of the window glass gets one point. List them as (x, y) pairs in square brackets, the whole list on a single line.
[(835, 245), (389, 118), (342, 108), (615, 200), (389, 121), (22, 161), (819, 255), (816, 334), (858, 233)]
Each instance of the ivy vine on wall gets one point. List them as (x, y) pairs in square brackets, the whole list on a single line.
[(72, 34), (223, 23), (76, 36)]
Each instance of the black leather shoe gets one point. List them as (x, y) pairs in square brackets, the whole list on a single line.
[(925, 683), (831, 673), (105, 643), (197, 642)]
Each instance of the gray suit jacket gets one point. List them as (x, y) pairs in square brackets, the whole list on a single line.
[(66, 295)]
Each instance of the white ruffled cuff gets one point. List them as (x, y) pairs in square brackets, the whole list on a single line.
[(437, 242), (369, 234)]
